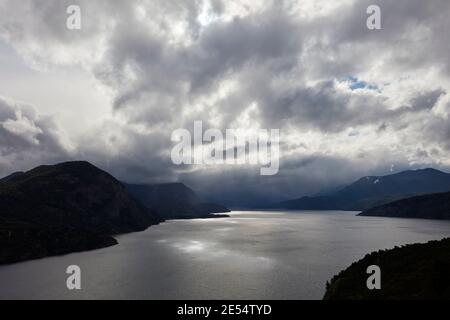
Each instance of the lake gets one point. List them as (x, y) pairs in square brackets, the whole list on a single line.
[(251, 255)]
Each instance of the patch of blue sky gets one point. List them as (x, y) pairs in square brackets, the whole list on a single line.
[(355, 84)]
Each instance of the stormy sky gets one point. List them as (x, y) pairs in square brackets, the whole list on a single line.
[(348, 101)]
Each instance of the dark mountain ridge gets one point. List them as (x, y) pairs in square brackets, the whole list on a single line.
[(429, 206), (174, 201), (72, 206), (372, 191), (411, 272)]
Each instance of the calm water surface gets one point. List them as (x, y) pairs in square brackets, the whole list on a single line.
[(251, 255)]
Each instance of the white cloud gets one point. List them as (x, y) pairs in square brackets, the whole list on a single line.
[(23, 127), (164, 64), (28, 138)]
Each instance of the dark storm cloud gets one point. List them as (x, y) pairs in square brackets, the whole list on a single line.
[(166, 68), (166, 77), (412, 36), (299, 175), (128, 154)]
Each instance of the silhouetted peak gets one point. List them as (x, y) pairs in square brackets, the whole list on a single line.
[(12, 176), (431, 170), (69, 165), (79, 169)]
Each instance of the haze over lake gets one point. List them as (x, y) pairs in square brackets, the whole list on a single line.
[(251, 255)]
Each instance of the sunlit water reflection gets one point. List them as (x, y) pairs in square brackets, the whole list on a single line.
[(251, 255)]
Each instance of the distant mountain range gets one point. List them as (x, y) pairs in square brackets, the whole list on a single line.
[(372, 191), (174, 201), (429, 206), (75, 206)]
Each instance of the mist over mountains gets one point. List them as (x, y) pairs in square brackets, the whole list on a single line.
[(349, 101), (174, 201), (75, 206), (372, 191)]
